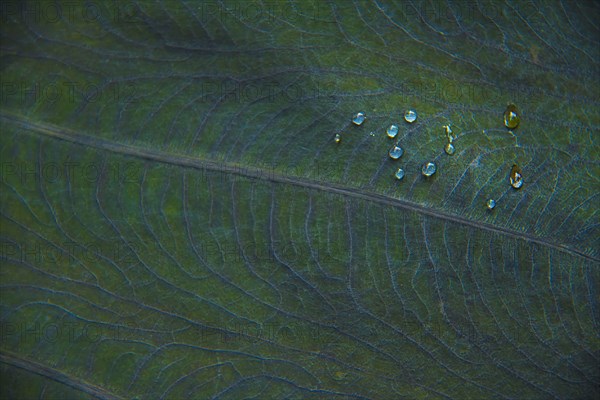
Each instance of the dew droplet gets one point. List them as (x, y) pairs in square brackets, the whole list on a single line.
[(359, 118), (399, 174), (511, 117), (491, 203), (337, 138), (449, 149), (428, 169), (410, 116), (448, 131), (392, 131), (516, 178), (396, 152)]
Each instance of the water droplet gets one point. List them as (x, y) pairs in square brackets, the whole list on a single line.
[(392, 131), (396, 152), (491, 203), (410, 116), (337, 138), (428, 169), (399, 174), (449, 149), (511, 117), (359, 118), (516, 178), (339, 375), (448, 133)]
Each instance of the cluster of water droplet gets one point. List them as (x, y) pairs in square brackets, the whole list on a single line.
[(511, 121), (396, 150), (515, 178)]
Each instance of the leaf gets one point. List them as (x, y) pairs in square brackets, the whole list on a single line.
[(178, 222)]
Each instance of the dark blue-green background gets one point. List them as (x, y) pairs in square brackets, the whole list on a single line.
[(177, 221)]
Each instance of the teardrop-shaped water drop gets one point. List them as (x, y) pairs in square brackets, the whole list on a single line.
[(392, 131), (491, 203), (428, 169), (359, 118), (449, 149), (337, 138), (399, 174), (396, 152), (516, 178), (511, 117), (410, 116)]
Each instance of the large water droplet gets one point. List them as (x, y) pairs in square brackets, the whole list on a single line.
[(396, 152), (392, 131), (337, 138), (449, 149), (428, 169), (491, 203), (359, 118), (410, 116), (516, 178), (511, 117), (399, 174)]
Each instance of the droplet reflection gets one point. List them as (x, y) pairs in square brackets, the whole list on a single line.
[(359, 118), (516, 177), (511, 117), (410, 116), (399, 174), (428, 169), (396, 152)]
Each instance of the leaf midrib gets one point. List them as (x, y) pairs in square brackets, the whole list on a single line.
[(52, 131), (55, 375)]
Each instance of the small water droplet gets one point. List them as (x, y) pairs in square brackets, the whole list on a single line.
[(399, 174), (449, 149), (359, 118), (448, 131), (339, 375), (516, 178), (491, 203), (337, 138), (511, 117), (392, 131), (396, 152), (410, 116), (428, 169)]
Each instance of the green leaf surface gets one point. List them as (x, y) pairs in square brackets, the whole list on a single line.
[(177, 221)]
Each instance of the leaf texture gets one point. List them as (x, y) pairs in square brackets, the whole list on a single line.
[(178, 222)]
